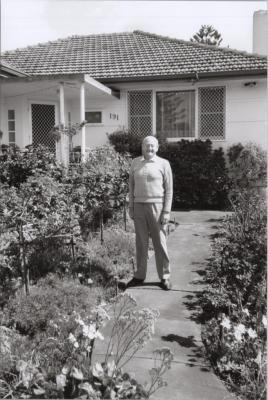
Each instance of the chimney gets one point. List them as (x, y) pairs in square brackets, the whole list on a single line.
[(260, 32)]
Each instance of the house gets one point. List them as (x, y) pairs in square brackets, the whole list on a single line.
[(136, 81)]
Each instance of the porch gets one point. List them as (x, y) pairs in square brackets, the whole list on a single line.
[(31, 108)]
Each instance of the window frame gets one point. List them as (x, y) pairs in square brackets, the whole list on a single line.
[(177, 90), (151, 93), (224, 87), (94, 111), (10, 130)]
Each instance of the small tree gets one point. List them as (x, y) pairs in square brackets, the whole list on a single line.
[(39, 209), (207, 34)]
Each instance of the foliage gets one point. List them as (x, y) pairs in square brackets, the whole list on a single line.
[(58, 130), (16, 166), (207, 34), (100, 186), (107, 262), (31, 315), (235, 299), (248, 165), (126, 143), (199, 174), (57, 362), (38, 209)]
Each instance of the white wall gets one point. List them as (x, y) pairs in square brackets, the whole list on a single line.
[(113, 118)]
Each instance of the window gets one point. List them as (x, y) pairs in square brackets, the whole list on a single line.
[(175, 114), (93, 117), (11, 126), (212, 113), (140, 113)]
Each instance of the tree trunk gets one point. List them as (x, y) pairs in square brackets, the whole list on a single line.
[(101, 225), (23, 263)]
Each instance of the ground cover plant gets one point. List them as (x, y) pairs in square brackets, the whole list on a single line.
[(51, 354), (234, 302)]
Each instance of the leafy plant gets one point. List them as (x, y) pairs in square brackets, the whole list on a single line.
[(235, 299), (36, 210), (248, 166), (100, 186), (57, 362), (16, 165)]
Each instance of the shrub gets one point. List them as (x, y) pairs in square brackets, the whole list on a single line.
[(108, 261), (38, 209), (16, 166), (235, 299), (48, 300), (200, 176), (99, 186), (126, 143), (248, 165)]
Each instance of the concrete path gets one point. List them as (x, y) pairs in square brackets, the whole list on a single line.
[(190, 377)]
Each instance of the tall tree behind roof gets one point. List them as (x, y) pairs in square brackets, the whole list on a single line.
[(207, 34)]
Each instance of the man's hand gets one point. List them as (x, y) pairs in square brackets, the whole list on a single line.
[(165, 217)]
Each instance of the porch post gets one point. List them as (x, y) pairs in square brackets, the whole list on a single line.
[(62, 115), (62, 124), (82, 118)]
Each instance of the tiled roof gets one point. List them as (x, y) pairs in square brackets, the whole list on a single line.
[(131, 55), (9, 70)]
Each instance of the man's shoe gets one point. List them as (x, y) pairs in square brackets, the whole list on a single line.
[(134, 282), (166, 284)]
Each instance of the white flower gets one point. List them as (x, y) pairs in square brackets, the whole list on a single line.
[(77, 374), (264, 321), (80, 321), (99, 335), (245, 311), (238, 332), (258, 358), (73, 340), (97, 370), (226, 323), (87, 388), (251, 333), (89, 331), (61, 381)]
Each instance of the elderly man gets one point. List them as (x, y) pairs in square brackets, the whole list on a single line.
[(150, 198)]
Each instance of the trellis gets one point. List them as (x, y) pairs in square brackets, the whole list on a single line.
[(43, 120), (140, 113), (211, 113)]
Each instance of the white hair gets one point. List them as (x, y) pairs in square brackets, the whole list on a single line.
[(148, 138)]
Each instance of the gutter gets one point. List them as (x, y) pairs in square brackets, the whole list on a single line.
[(196, 76)]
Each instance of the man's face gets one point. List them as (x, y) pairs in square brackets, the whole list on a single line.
[(149, 149)]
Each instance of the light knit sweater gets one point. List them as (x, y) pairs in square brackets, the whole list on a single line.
[(150, 181)]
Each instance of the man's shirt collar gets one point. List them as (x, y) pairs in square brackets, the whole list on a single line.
[(154, 159)]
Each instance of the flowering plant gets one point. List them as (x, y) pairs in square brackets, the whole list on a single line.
[(60, 364)]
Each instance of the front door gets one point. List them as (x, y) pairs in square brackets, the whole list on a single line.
[(43, 120)]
